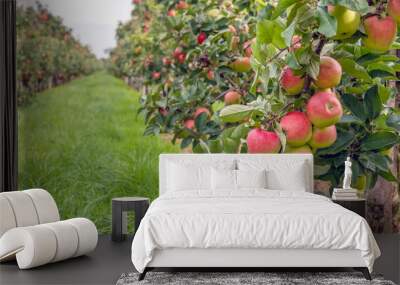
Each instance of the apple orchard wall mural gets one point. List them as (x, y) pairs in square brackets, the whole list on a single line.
[(284, 76)]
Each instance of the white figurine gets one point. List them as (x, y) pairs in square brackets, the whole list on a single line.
[(347, 174)]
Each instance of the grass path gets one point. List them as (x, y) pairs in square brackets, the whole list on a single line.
[(83, 142)]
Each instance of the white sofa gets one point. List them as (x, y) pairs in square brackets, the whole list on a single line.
[(31, 231)]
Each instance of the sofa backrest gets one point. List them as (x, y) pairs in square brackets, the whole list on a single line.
[(282, 163), (26, 208)]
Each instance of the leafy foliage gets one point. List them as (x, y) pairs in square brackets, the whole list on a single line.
[(160, 47)]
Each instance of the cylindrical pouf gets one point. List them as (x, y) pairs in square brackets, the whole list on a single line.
[(87, 235), (46, 207), (67, 240), (7, 218), (23, 208), (33, 246)]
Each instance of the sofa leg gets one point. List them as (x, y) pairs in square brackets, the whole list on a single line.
[(365, 272), (143, 274)]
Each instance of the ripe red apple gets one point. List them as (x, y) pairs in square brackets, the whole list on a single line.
[(393, 10), (182, 5), (232, 97), (136, 1), (291, 83), (324, 109), (323, 137), (201, 38), (330, 73), (300, 149), (166, 61), (381, 33), (177, 52), (262, 141), (241, 64), (156, 75), (189, 124), (297, 128), (182, 57), (200, 110), (171, 13)]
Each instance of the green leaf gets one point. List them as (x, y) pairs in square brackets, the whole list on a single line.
[(235, 113), (344, 139), (215, 146), (388, 175), (393, 121), (201, 121), (321, 169), (373, 103), (288, 33), (217, 105), (352, 68), (186, 142), (384, 92), (379, 140), (282, 6), (354, 105), (355, 5), (374, 161), (264, 31), (327, 23), (230, 145), (313, 66), (239, 132)]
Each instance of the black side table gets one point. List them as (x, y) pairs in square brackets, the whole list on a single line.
[(357, 205), (119, 216)]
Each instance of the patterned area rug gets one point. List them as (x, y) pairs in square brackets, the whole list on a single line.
[(244, 278)]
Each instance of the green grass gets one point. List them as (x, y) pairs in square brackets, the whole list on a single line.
[(83, 142)]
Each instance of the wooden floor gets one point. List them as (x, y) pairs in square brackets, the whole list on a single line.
[(110, 260)]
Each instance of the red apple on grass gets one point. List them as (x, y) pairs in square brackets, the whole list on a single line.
[(232, 97), (291, 83), (299, 149), (201, 110), (241, 64), (330, 73), (189, 124), (381, 33), (201, 38), (323, 137), (297, 128), (262, 141), (324, 109), (393, 10)]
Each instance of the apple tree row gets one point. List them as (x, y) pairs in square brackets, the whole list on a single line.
[(270, 76), (47, 53)]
